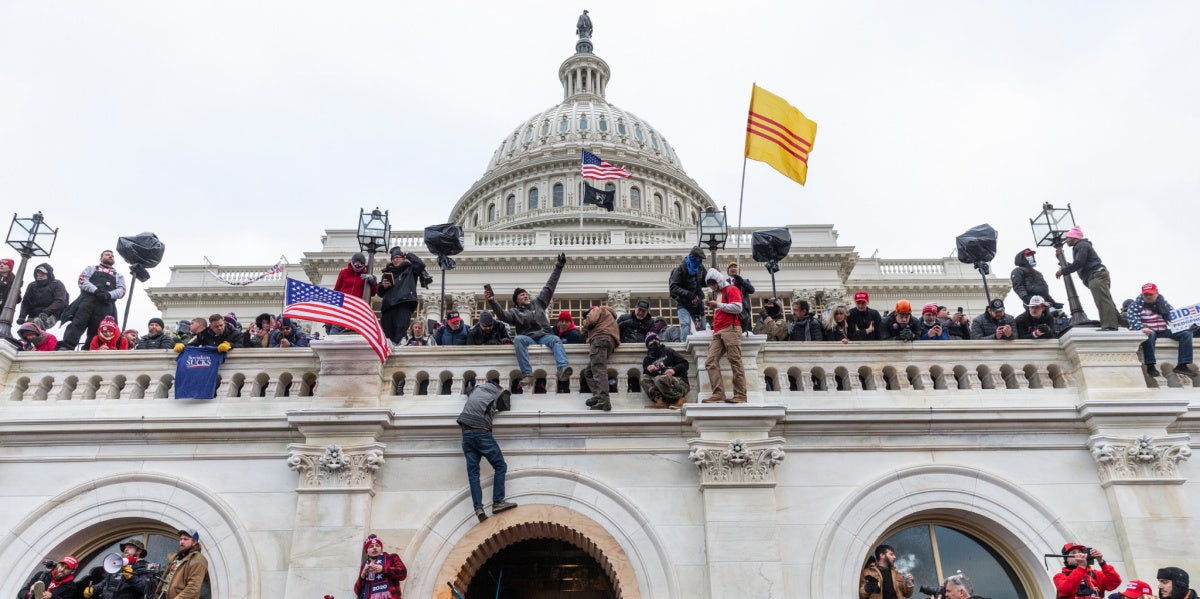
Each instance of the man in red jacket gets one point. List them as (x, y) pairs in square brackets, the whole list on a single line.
[(1078, 580), (727, 338), (381, 573)]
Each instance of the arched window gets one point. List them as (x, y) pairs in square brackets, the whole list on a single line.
[(654, 140), (635, 198), (677, 211), (658, 203), (558, 195), (475, 221), (563, 125), (933, 551), (637, 132), (609, 186), (583, 122), (491, 215), (533, 198), (529, 134), (510, 205), (545, 128), (603, 125), (621, 128)]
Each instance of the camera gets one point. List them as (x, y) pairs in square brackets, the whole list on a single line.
[(907, 334), (1043, 330), (872, 585), (1085, 590), (933, 591), (49, 564)]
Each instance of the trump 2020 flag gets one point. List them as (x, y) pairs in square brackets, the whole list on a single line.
[(309, 302), (196, 372)]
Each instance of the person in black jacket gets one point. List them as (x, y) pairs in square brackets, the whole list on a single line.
[(900, 324), (218, 334), (155, 338), (1035, 322), (60, 582), (862, 322), (635, 325), (132, 581), (1027, 281), (488, 331), (398, 288), (746, 288), (45, 298), (531, 325), (1094, 274), (804, 325), (483, 403), (687, 289), (666, 372), (100, 286)]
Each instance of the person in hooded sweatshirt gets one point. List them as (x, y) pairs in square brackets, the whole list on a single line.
[(1027, 281), (45, 298), (33, 338), (354, 280), (109, 337)]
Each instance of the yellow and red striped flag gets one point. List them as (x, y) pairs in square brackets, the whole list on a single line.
[(779, 135)]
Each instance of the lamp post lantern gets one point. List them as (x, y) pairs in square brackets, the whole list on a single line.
[(713, 230), (1050, 228), (374, 232), (30, 237)]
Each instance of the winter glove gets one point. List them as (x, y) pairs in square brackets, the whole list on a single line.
[(178, 348), (102, 294), (368, 279), (224, 347), (562, 259), (88, 592), (127, 572)]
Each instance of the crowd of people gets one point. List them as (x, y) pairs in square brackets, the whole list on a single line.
[(882, 578)]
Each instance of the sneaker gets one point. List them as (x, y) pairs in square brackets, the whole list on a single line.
[(736, 400), (715, 399), (479, 513), (565, 372), (603, 404), (591, 401), (1184, 369), (1152, 370), (500, 506)]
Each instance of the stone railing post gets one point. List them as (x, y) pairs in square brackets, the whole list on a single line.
[(752, 347), (350, 373)]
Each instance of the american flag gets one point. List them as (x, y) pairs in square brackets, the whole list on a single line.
[(318, 304), (595, 168)]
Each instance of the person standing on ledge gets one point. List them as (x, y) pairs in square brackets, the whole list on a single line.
[(1093, 273)]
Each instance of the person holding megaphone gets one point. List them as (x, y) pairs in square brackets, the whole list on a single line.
[(128, 575)]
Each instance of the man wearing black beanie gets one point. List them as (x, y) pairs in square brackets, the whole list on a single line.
[(1173, 584)]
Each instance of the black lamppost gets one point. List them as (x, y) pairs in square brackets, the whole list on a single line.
[(713, 231), (1049, 230), (30, 237), (373, 233)]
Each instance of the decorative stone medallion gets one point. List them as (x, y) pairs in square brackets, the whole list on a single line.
[(1144, 459), (334, 468), (737, 463)]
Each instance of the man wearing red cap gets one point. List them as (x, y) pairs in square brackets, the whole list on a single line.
[(1078, 580), (381, 573), (1150, 313), (1093, 273), (862, 323), (1137, 589), (59, 583)]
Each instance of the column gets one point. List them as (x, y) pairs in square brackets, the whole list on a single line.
[(736, 461)]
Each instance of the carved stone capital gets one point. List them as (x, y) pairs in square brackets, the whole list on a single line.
[(335, 468), (618, 300), (736, 463), (1145, 459), (464, 302)]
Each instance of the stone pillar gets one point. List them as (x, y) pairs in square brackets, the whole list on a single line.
[(336, 464), (736, 461), (752, 346), (350, 373)]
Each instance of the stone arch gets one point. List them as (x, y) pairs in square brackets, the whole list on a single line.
[(559, 504), (1000, 507), (66, 518)]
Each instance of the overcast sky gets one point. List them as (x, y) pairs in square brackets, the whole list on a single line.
[(242, 130)]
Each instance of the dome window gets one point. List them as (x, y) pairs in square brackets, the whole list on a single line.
[(563, 125), (533, 199), (529, 134), (610, 187), (658, 203), (491, 214), (635, 198), (654, 140), (621, 128), (510, 205), (475, 221), (677, 212), (545, 128), (583, 122), (502, 144), (637, 132), (603, 125), (558, 195)]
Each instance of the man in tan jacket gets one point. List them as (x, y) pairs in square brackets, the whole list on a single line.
[(603, 334), (881, 580), (185, 569)]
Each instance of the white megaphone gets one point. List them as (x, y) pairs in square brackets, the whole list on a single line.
[(113, 562)]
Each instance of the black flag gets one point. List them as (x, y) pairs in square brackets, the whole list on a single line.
[(599, 197)]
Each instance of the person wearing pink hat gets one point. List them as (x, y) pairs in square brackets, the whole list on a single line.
[(1150, 314), (381, 573), (931, 327), (1093, 273)]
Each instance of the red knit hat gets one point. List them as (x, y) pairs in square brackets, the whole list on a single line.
[(372, 540)]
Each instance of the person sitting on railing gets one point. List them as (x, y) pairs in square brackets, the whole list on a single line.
[(288, 335), (566, 329), (862, 322), (900, 324), (931, 327), (218, 334), (804, 325), (155, 338), (451, 333), (488, 331), (1027, 281), (109, 336), (666, 382), (1150, 313), (45, 298), (530, 324), (416, 336), (834, 325), (994, 323), (636, 325), (603, 338), (1035, 322), (957, 325), (687, 289), (770, 320), (33, 338)]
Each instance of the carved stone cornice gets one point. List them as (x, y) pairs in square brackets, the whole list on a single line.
[(334, 468), (618, 300), (1144, 459), (736, 463)]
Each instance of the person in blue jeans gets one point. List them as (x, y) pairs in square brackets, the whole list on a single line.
[(686, 285), (530, 325), (483, 403), (1150, 313)]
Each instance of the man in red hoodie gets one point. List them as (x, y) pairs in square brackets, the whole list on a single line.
[(727, 338), (1078, 580)]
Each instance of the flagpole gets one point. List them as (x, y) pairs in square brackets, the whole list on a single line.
[(581, 202), (741, 195)]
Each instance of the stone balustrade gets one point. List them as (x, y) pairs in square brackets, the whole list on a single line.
[(432, 379)]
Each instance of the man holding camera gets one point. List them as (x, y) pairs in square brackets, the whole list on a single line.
[(1035, 322), (1078, 580), (881, 580), (666, 382), (994, 323)]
